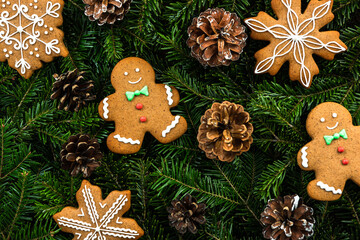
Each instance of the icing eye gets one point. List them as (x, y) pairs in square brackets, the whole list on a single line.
[(334, 115), (322, 119), (126, 73), (137, 70)]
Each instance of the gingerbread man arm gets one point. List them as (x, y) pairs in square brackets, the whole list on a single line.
[(172, 94), (106, 109), (307, 157)]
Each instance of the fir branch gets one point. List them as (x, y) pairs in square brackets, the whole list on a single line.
[(237, 193), (19, 164)]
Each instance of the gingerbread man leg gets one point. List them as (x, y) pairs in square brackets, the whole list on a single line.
[(169, 128), (119, 143), (325, 188)]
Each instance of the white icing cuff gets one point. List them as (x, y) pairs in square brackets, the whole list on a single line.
[(304, 158), (328, 188), (126, 140), (171, 126), (105, 108), (169, 95)]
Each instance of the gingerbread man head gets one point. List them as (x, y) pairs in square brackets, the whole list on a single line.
[(131, 74), (326, 119)]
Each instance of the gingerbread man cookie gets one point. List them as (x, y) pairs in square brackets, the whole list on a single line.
[(333, 151), (139, 105)]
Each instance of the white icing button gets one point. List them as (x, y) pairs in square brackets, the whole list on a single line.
[(137, 70), (51, 29), (10, 52), (5, 50), (45, 26), (36, 49), (3, 5), (334, 115), (30, 4), (3, 0), (46, 32), (37, 55), (31, 53), (19, 29), (322, 119), (35, 1), (35, 7), (126, 73), (8, 3), (7, 55)]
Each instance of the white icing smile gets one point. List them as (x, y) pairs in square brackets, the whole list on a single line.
[(331, 128), (135, 81)]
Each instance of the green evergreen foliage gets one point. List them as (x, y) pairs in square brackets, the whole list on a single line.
[(33, 187)]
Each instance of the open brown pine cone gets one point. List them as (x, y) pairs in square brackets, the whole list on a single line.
[(225, 131), (106, 11), (186, 213), (80, 154), (216, 37), (287, 218)]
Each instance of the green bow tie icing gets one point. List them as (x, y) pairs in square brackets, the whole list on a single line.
[(130, 95), (329, 139)]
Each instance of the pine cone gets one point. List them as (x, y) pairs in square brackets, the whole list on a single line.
[(225, 131), (186, 213), (72, 90), (80, 154), (216, 37), (106, 11), (287, 218)]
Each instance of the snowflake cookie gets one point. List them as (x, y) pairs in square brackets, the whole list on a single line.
[(98, 218), (29, 33), (294, 37)]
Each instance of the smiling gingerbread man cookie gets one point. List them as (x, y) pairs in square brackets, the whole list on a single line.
[(139, 105), (333, 151)]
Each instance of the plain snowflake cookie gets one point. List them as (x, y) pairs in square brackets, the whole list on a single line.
[(29, 33), (98, 218), (295, 37)]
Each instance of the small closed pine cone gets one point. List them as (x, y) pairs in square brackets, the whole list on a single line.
[(216, 37), (225, 131), (287, 218), (106, 11), (80, 154), (185, 214), (72, 90)]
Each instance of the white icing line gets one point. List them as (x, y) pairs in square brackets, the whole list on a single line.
[(136, 81), (105, 108), (79, 235), (126, 140), (82, 213), (171, 126), (169, 95), (304, 158), (328, 188), (296, 203), (331, 128), (118, 221), (101, 205)]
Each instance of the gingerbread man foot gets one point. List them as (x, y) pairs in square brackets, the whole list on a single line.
[(333, 151), (139, 105)]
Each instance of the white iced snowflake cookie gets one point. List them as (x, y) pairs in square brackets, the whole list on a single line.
[(98, 218), (294, 37), (29, 33)]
